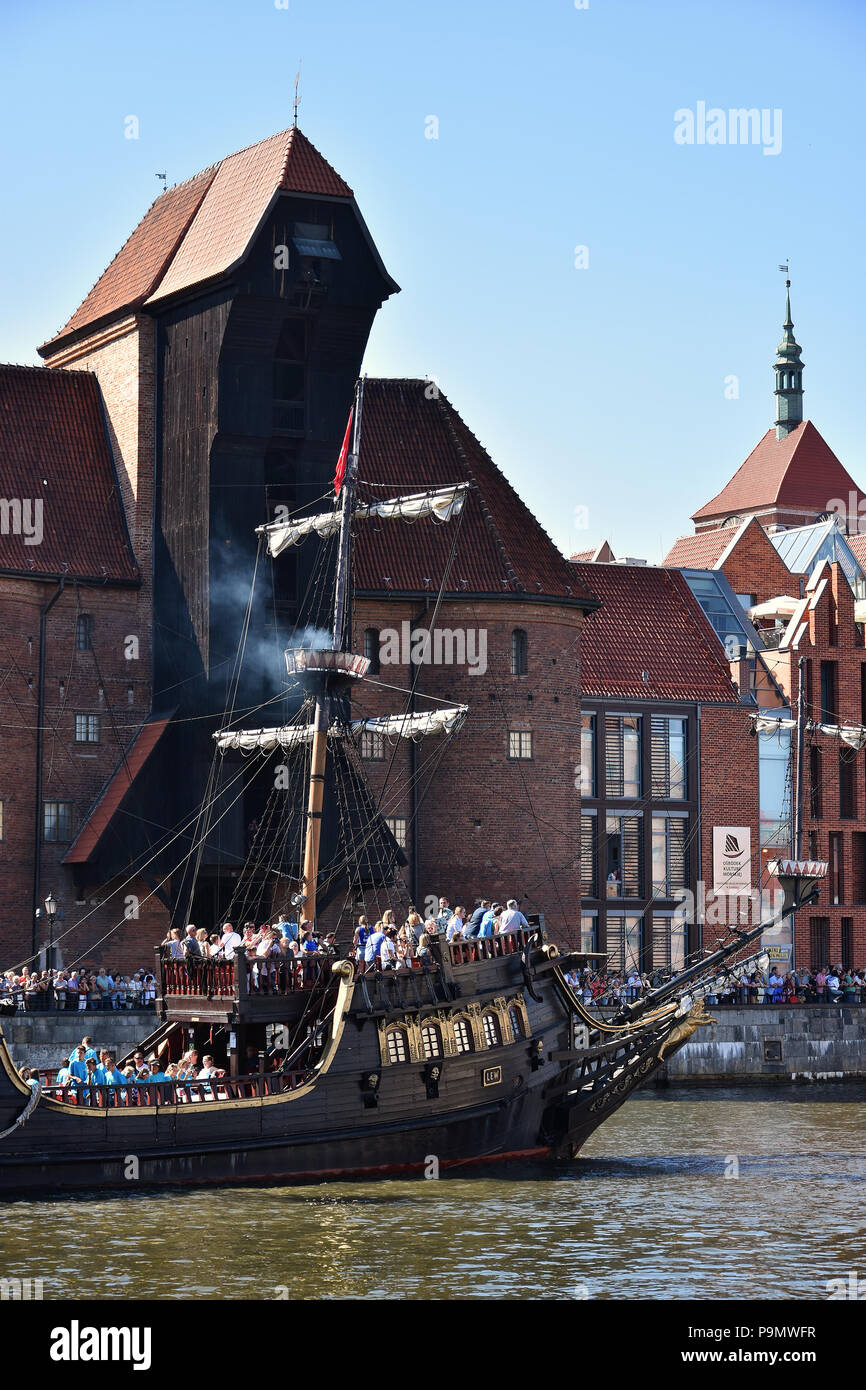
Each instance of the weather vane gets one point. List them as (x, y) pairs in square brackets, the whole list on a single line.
[(784, 270), (164, 181), (297, 101)]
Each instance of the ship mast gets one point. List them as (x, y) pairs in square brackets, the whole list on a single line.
[(322, 716)]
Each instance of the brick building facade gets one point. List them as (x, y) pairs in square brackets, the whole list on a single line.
[(784, 534)]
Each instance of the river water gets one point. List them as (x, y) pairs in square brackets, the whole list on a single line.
[(722, 1195)]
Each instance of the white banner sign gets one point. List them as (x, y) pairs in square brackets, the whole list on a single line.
[(732, 859)]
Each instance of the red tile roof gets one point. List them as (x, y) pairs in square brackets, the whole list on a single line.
[(650, 621), (858, 545), (114, 791), (409, 443), (202, 227), (700, 552), (798, 471), (54, 449)]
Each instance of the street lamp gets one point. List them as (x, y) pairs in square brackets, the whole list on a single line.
[(51, 913)]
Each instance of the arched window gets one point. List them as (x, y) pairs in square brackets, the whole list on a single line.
[(431, 1041), (371, 649), (463, 1035), (84, 632), (516, 1023), (492, 1034), (398, 1047), (518, 652)]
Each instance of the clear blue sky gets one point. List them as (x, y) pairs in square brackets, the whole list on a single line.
[(599, 388)]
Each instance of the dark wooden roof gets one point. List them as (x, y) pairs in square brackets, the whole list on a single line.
[(202, 227), (411, 442), (54, 449)]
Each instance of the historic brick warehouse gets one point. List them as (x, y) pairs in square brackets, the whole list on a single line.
[(204, 381)]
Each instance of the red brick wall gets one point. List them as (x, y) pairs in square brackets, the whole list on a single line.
[(71, 772), (754, 567), (729, 792), (489, 826)]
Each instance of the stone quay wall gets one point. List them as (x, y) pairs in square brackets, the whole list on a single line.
[(757, 1044), (42, 1040)]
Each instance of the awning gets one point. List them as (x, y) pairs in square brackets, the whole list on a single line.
[(114, 791)]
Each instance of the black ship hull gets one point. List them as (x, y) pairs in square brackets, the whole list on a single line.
[(371, 1107)]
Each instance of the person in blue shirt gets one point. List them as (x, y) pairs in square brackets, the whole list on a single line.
[(488, 927), (288, 929), (108, 1074), (473, 926), (63, 1074), (89, 1049), (78, 1066)]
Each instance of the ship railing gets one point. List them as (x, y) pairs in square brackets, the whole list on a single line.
[(477, 948), (254, 1086), (208, 976), (216, 978)]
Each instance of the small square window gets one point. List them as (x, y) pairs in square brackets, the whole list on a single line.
[(373, 746), (87, 728), (57, 821), (397, 827), (519, 745)]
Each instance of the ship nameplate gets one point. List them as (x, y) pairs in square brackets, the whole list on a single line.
[(491, 1076)]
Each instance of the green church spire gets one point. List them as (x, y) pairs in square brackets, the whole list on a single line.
[(788, 368)]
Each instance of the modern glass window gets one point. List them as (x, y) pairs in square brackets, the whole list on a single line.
[(829, 692), (492, 1033), (587, 755), (431, 1041), (837, 868), (669, 855), (668, 752), (669, 943), (84, 632), (624, 942), (463, 1035), (623, 868), (373, 746), (588, 857), (519, 744), (397, 827), (398, 1047), (519, 652), (773, 766), (589, 932), (819, 943), (847, 783), (87, 728), (622, 742), (57, 821), (816, 798), (371, 649)]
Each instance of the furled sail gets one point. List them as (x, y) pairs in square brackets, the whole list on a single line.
[(437, 721), (441, 504)]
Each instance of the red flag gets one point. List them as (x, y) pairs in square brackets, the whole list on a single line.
[(344, 454)]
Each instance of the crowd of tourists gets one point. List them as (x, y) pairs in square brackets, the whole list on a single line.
[(382, 944), (76, 990), (830, 985)]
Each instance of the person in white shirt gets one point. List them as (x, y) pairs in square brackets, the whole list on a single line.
[(512, 918), (388, 951), (456, 924), (230, 941)]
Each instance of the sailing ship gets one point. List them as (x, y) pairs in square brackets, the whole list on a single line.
[(480, 1052)]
